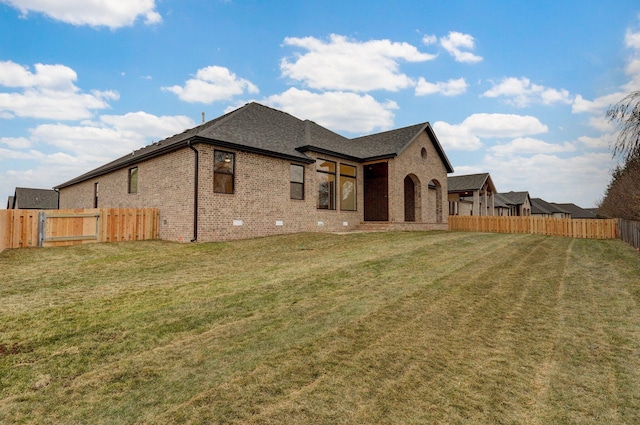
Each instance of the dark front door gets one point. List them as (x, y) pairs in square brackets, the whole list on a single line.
[(409, 199), (376, 192)]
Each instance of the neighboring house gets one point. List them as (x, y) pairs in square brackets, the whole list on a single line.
[(576, 211), (26, 198), (542, 208), (471, 194), (500, 207), (514, 203), (257, 171)]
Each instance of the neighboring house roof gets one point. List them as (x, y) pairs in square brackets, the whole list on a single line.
[(469, 182), (35, 199), (499, 202), (513, 198), (10, 203), (540, 206), (576, 211), (267, 131), (593, 211)]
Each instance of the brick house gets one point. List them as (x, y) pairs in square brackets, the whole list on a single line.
[(257, 171), (471, 194), (513, 203)]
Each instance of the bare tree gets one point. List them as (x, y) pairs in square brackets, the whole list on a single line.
[(627, 115), (622, 197)]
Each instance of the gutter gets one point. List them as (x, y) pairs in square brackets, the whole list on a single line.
[(195, 192)]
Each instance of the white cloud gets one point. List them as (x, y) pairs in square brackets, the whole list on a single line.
[(429, 39), (528, 145), (504, 125), (148, 125), (211, 84), (54, 77), (94, 13), (449, 88), (601, 142), (49, 93), (455, 42), (468, 134), (522, 92), (113, 136), (632, 39), (602, 124), (456, 137), (55, 153), (596, 106), (16, 142), (580, 179), (337, 111), (350, 65)]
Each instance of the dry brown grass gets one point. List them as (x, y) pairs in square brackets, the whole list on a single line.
[(357, 329)]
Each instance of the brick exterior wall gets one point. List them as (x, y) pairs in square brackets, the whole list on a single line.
[(260, 204), (165, 182), (425, 167)]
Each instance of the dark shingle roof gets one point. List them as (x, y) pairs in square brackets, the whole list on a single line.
[(576, 211), (540, 206), (467, 182), (10, 203), (513, 198), (35, 199), (261, 129)]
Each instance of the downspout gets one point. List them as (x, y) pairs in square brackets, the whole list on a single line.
[(195, 193)]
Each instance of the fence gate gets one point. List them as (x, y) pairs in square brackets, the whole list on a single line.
[(55, 228)]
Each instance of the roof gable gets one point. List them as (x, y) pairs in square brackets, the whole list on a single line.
[(469, 182), (514, 198)]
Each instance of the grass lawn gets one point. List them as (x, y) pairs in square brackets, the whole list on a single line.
[(366, 328)]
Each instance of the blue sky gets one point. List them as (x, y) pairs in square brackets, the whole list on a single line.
[(518, 89)]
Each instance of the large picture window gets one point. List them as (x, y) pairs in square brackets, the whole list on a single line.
[(133, 180), (347, 187), (326, 173), (223, 169), (297, 181)]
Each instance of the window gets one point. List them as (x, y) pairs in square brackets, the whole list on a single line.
[(133, 180), (347, 187), (326, 172), (95, 195), (297, 181), (223, 168)]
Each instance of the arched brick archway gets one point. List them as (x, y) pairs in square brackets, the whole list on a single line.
[(412, 198), (434, 202)]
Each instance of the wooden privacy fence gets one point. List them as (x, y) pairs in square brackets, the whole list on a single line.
[(630, 232), (43, 228), (567, 227)]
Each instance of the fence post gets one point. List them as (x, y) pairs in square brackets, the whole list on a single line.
[(41, 227)]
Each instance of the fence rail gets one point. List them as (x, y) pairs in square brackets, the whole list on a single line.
[(567, 227), (630, 232), (33, 228)]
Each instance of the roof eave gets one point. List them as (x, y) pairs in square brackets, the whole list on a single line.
[(309, 148), (245, 148), (439, 149)]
